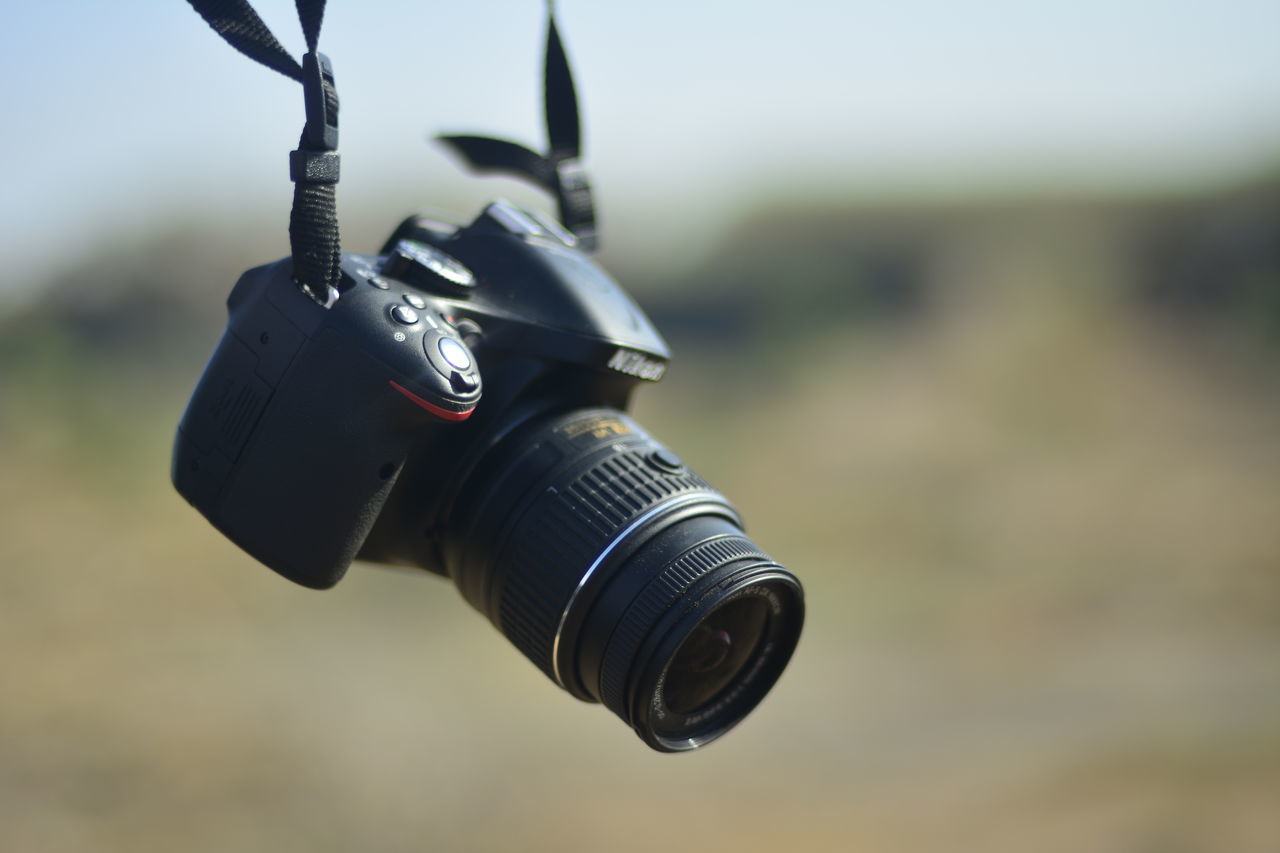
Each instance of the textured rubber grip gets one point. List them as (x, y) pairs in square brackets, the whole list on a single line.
[(567, 530)]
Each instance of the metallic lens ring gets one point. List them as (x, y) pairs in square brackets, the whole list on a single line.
[(649, 516)]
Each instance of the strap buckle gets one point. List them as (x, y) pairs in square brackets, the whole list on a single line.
[(321, 131)]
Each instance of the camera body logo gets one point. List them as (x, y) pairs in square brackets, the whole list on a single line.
[(637, 364)]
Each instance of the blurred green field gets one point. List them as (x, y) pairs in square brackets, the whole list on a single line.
[(1039, 529)]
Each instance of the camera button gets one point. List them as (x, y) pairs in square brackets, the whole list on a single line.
[(415, 300), (665, 460), (379, 282), (404, 314), (468, 329), (455, 354), (463, 382), (428, 268)]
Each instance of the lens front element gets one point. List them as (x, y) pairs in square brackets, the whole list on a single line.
[(713, 653), (725, 661)]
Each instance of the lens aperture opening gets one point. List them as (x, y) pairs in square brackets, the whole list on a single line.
[(723, 661), (714, 654)]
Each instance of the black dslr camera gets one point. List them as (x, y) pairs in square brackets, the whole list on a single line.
[(456, 403)]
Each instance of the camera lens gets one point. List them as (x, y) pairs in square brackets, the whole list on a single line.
[(624, 576)]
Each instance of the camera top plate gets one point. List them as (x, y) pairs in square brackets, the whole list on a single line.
[(536, 292)]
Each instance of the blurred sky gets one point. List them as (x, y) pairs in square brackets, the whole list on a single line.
[(123, 116)]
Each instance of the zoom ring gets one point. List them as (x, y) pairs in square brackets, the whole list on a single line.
[(566, 530), (667, 587)]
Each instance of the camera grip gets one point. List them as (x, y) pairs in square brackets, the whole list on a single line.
[(295, 472), (329, 452)]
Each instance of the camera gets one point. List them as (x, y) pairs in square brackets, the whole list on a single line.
[(458, 405)]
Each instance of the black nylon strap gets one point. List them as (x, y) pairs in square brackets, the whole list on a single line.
[(240, 26), (313, 220), (563, 128), (485, 154), (560, 171), (311, 16)]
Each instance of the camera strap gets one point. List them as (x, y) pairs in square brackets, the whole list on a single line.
[(313, 167), (560, 171)]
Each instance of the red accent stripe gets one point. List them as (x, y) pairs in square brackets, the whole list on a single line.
[(433, 409)]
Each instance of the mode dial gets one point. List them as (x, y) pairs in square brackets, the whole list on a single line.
[(428, 268)]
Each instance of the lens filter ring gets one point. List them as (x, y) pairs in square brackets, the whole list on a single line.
[(767, 607), (668, 587), (702, 644)]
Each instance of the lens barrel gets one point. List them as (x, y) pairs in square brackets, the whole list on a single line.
[(624, 576)]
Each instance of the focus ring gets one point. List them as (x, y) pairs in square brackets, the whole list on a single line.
[(668, 587), (568, 527)]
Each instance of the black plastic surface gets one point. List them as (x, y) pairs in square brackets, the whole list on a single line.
[(303, 418), (296, 434)]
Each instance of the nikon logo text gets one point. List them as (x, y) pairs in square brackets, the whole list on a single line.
[(635, 364)]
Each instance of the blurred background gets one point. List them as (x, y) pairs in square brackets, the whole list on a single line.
[(976, 316)]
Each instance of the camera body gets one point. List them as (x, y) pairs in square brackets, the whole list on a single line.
[(457, 404), (307, 414)]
